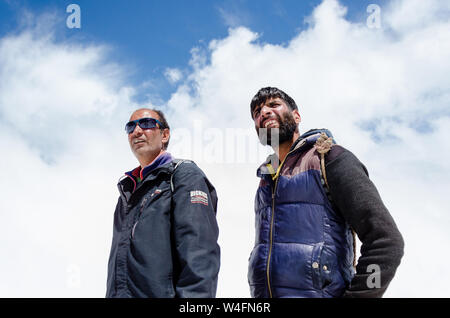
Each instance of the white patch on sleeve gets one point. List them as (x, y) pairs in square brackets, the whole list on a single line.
[(199, 197)]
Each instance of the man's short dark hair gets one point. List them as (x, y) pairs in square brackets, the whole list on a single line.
[(271, 92), (164, 123)]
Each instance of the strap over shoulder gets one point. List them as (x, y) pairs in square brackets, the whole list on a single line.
[(324, 143), (177, 162), (323, 146)]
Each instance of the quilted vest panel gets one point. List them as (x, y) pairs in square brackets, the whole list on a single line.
[(303, 248)]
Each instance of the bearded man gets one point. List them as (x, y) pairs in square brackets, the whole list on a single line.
[(313, 197)]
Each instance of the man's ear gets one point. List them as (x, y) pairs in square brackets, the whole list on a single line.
[(165, 135), (297, 116)]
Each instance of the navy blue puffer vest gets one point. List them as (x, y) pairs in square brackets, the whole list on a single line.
[(303, 248)]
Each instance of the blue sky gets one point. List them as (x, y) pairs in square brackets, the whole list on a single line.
[(66, 94), (151, 36)]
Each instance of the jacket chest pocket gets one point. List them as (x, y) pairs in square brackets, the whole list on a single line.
[(151, 209), (156, 200)]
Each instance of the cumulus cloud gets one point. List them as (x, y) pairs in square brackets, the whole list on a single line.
[(384, 93), (62, 108), (173, 75)]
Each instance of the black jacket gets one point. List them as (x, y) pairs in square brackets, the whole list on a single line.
[(165, 243)]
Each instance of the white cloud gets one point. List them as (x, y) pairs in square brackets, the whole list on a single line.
[(62, 109), (385, 97), (415, 15), (173, 75), (233, 16), (63, 105)]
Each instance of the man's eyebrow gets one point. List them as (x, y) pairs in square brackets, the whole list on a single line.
[(273, 102), (257, 107)]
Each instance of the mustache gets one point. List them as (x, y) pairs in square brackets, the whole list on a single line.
[(276, 116)]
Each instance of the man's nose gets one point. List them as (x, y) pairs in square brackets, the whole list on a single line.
[(265, 111), (137, 131)]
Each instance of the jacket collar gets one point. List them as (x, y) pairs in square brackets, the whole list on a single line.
[(159, 161), (306, 140), (162, 163)]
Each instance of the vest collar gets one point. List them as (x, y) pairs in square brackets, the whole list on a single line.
[(306, 140)]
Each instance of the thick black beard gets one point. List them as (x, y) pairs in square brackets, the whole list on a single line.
[(286, 131)]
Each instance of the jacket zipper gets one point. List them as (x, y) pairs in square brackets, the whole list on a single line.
[(271, 239), (271, 225), (141, 208), (132, 231)]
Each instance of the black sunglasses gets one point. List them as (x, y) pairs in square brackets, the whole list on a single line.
[(144, 123)]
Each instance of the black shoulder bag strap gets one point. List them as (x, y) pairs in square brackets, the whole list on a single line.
[(177, 162)]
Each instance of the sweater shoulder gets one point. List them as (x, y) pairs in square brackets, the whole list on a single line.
[(341, 159), (335, 152)]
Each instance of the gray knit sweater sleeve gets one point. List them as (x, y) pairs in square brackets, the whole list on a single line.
[(357, 199)]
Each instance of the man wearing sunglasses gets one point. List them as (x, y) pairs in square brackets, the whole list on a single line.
[(165, 230)]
